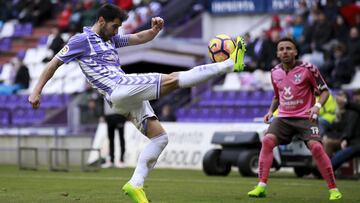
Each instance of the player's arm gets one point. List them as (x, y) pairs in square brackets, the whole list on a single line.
[(142, 37), (319, 85), (45, 76), (324, 95), (274, 103)]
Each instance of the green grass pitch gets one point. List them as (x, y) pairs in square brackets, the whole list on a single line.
[(162, 186)]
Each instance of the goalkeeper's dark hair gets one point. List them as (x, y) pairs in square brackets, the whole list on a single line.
[(110, 12)]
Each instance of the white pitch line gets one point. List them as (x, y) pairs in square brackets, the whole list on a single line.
[(250, 182)]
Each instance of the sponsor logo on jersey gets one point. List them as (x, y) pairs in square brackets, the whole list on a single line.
[(287, 93)]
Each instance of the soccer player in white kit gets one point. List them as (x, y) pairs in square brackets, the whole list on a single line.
[(95, 51)]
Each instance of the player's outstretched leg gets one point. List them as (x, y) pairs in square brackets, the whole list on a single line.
[(137, 194), (238, 55), (203, 73)]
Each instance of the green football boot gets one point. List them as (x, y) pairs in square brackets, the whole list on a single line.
[(258, 191), (136, 194), (238, 55), (335, 194)]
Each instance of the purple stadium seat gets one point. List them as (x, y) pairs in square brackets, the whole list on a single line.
[(42, 41), (13, 101), (27, 29), (242, 98), (255, 97), (217, 98), (229, 98), (18, 117), (4, 118), (22, 30), (267, 98), (17, 30), (27, 116), (54, 100), (21, 54), (5, 44), (206, 98)]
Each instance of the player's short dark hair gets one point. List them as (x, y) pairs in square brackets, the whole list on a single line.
[(110, 12), (288, 39)]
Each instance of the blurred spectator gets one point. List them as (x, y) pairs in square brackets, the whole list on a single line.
[(302, 10), (331, 10), (56, 44), (91, 106), (339, 70), (89, 14), (354, 46), (275, 26), (63, 19), (114, 121), (341, 30), (75, 18), (316, 56), (35, 11), (350, 143), (298, 27), (5, 11), (343, 126), (270, 50), (19, 79), (327, 115), (357, 21), (287, 31), (256, 51), (322, 31), (124, 4), (167, 113)]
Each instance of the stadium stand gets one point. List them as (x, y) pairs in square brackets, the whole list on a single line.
[(183, 45)]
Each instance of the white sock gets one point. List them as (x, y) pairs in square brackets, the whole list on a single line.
[(147, 159), (200, 74), (262, 184)]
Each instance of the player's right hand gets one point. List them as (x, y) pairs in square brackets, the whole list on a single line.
[(267, 117), (34, 100)]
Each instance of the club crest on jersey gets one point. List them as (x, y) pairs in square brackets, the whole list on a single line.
[(297, 78), (64, 50)]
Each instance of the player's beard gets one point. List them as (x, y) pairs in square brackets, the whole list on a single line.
[(103, 34)]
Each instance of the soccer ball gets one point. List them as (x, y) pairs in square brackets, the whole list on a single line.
[(220, 48)]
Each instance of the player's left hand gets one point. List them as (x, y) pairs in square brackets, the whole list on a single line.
[(313, 113), (157, 24)]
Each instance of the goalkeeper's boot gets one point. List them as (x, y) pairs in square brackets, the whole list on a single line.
[(238, 55), (335, 194), (258, 191), (136, 194)]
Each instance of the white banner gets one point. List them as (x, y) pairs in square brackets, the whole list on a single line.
[(188, 142)]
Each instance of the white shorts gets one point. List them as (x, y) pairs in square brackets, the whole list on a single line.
[(131, 97)]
